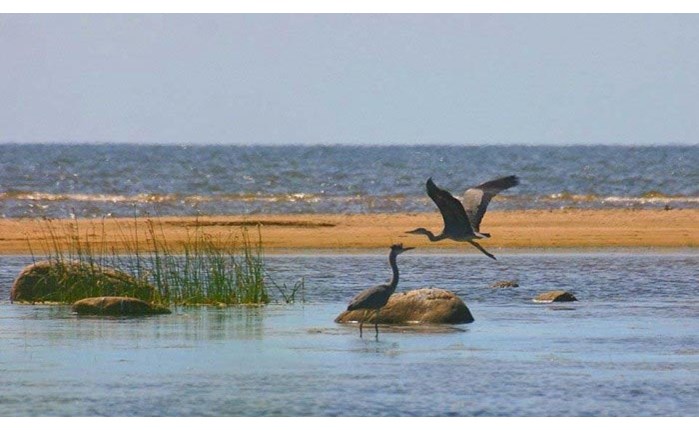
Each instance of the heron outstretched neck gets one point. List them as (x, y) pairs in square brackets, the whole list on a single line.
[(429, 234)]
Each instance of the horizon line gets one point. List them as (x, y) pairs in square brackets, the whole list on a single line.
[(152, 143)]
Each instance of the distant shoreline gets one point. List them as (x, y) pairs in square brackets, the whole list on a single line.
[(353, 144), (554, 230)]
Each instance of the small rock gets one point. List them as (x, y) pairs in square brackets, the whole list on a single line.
[(555, 296), (505, 284), (117, 306), (426, 305)]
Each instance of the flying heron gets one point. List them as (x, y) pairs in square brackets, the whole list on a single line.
[(462, 222), (375, 298)]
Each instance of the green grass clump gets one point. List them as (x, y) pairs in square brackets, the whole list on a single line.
[(203, 269), (70, 273), (210, 270)]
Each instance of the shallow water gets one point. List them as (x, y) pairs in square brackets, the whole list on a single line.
[(629, 346)]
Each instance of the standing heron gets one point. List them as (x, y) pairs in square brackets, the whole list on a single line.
[(375, 298), (462, 222)]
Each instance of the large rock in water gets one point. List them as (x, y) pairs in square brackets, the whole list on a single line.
[(68, 281), (426, 305), (117, 306)]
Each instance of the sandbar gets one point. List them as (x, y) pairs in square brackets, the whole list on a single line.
[(552, 230)]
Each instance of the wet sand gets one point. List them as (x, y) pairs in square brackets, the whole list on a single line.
[(540, 229)]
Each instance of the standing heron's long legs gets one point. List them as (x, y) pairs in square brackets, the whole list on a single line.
[(361, 322), (376, 323)]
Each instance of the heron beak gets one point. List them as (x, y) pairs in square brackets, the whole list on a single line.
[(408, 248), (412, 231)]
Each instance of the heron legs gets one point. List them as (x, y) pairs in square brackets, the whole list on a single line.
[(376, 322), (361, 322), (480, 248)]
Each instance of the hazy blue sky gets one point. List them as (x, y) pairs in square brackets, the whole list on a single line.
[(350, 78)]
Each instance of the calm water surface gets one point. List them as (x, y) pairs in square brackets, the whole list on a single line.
[(630, 346)]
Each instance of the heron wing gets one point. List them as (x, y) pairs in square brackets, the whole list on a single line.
[(476, 199), (456, 222), (371, 298)]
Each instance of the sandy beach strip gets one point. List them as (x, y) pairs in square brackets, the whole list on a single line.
[(540, 229)]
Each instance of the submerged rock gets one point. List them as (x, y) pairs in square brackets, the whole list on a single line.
[(426, 305), (555, 296), (67, 281), (117, 306), (505, 284)]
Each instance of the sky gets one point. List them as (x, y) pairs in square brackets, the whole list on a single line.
[(350, 78)]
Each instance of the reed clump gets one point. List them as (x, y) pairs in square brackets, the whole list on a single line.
[(226, 269), (202, 269)]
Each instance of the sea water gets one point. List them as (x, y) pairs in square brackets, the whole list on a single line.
[(61, 181), (628, 346)]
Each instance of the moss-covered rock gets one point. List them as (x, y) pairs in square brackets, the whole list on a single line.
[(426, 305), (66, 282)]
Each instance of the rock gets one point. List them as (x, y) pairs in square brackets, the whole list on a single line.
[(555, 296), (426, 305), (66, 282), (117, 306), (505, 284)]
